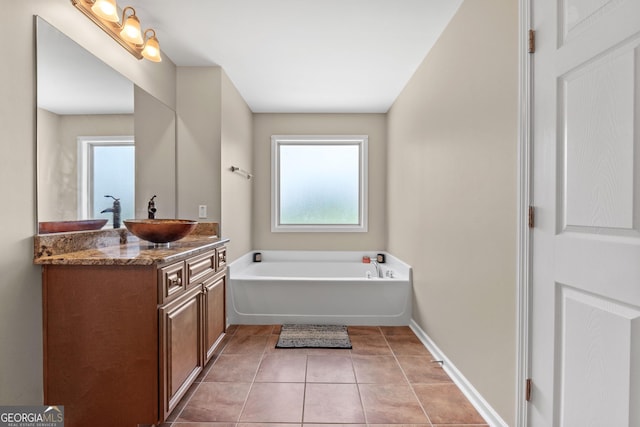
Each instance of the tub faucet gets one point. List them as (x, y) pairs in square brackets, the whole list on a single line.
[(378, 268), (151, 208), (116, 211)]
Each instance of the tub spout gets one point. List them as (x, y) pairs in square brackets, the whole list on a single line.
[(378, 269)]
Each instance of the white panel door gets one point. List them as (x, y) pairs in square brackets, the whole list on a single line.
[(585, 317)]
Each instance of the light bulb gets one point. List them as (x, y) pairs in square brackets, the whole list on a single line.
[(106, 9), (151, 49), (131, 30)]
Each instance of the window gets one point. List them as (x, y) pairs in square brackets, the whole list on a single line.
[(107, 167), (319, 183)]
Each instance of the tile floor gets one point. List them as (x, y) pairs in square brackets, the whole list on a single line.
[(388, 377)]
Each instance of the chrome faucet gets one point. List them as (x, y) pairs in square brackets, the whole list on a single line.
[(116, 211), (151, 208), (378, 268)]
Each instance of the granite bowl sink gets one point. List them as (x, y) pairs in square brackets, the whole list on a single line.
[(160, 230)]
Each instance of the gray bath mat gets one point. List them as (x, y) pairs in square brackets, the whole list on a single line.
[(314, 336)]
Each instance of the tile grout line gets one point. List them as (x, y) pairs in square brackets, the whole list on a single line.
[(366, 418), (255, 375), (304, 393), (355, 377), (404, 374)]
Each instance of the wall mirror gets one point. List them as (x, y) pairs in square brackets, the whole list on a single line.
[(98, 134)]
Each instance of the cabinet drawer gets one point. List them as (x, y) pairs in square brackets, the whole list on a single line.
[(222, 258), (201, 266), (172, 282)]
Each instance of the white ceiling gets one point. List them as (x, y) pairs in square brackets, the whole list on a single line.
[(302, 55), (329, 56), (73, 81)]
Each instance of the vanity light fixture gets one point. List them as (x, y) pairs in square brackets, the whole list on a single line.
[(104, 13)]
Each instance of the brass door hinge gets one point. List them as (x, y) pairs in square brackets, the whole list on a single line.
[(532, 216), (527, 394), (532, 41)]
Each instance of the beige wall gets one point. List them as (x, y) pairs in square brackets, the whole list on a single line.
[(20, 287), (52, 169), (452, 194), (199, 115), (58, 157), (265, 125), (214, 132), (236, 190), (155, 136)]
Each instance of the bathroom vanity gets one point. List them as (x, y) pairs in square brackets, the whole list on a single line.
[(127, 327)]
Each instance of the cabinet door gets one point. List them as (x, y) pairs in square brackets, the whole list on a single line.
[(181, 347), (215, 318)]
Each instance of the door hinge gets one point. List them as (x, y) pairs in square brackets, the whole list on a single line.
[(532, 41), (527, 393), (532, 216)]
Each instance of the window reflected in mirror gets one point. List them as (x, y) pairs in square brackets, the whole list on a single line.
[(107, 168)]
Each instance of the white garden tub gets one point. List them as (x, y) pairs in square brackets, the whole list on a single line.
[(318, 287)]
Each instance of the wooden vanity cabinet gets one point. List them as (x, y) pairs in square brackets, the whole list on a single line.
[(123, 343), (192, 322)]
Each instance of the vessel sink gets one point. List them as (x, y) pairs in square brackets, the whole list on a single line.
[(65, 226), (160, 230)]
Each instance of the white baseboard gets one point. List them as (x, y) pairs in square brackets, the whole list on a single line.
[(481, 405)]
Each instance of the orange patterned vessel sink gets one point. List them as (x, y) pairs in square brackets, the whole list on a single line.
[(160, 230)]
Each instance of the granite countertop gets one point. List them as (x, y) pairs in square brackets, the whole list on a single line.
[(119, 247)]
